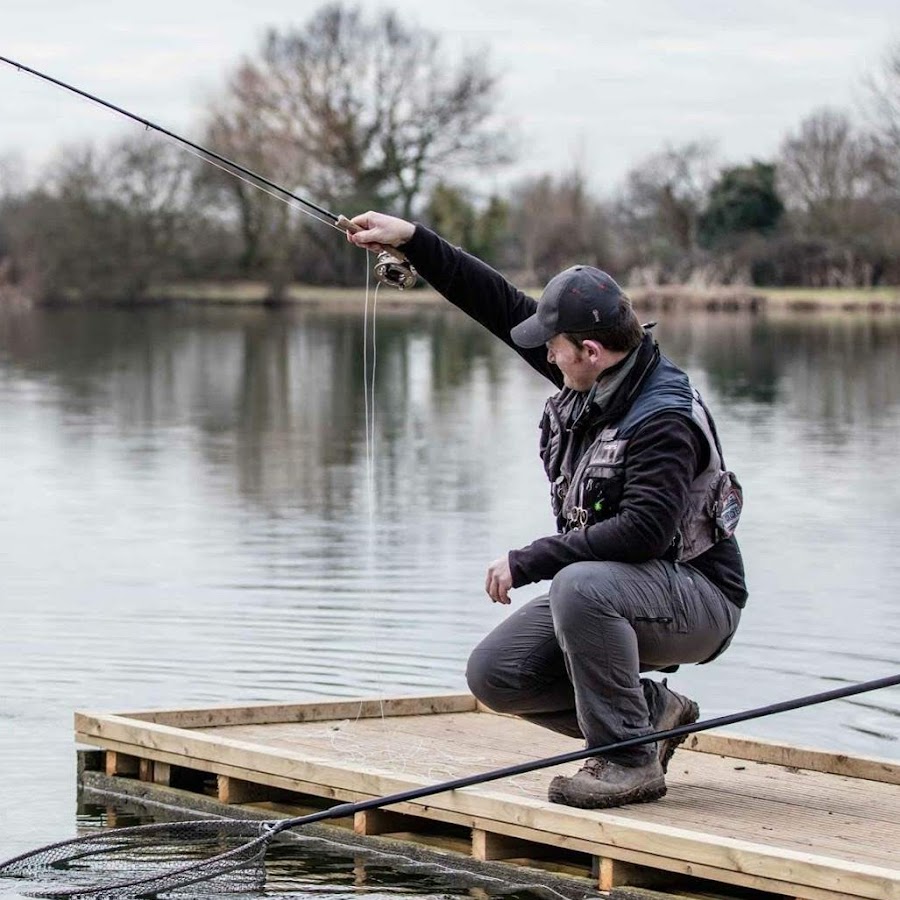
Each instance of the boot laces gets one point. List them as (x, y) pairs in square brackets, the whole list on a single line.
[(595, 765)]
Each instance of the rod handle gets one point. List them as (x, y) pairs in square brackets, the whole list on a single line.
[(345, 224)]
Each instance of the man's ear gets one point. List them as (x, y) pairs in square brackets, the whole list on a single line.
[(594, 349)]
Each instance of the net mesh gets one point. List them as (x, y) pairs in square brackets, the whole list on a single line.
[(226, 855)]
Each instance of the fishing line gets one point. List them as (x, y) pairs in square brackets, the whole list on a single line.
[(368, 426), (372, 471), (288, 200), (369, 406)]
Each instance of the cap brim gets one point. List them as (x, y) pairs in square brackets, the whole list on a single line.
[(530, 333)]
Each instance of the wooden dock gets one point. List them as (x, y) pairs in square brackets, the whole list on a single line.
[(776, 819)]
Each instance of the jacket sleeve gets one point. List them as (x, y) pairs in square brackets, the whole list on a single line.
[(663, 458), (478, 290)]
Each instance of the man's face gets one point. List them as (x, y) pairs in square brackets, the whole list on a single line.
[(579, 370)]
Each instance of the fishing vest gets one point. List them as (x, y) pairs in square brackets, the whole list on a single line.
[(586, 469)]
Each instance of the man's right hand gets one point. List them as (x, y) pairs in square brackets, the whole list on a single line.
[(380, 231), (498, 582)]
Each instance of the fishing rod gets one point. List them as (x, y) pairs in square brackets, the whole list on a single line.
[(391, 267)]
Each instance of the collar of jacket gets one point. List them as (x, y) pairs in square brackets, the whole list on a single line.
[(600, 406)]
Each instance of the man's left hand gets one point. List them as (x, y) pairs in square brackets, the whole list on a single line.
[(499, 580)]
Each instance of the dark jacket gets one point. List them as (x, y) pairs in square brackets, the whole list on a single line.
[(665, 453)]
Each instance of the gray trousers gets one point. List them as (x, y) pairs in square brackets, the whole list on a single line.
[(571, 660)]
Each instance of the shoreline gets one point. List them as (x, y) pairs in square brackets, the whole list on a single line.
[(663, 298), (654, 298), (728, 298)]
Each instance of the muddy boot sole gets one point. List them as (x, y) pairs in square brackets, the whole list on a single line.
[(667, 750)]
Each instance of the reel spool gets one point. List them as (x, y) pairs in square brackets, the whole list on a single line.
[(395, 270)]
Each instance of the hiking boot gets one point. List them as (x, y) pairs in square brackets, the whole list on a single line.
[(668, 710), (601, 783)]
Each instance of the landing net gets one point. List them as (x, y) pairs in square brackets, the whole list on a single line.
[(227, 855)]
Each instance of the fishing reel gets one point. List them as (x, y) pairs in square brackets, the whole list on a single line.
[(394, 269), (391, 266)]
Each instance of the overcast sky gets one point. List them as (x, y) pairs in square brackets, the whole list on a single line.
[(603, 83)]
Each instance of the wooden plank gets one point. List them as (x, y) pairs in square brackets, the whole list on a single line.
[(602, 828), (237, 790), (340, 795), (804, 789), (266, 713), (382, 821), (634, 892), (216, 768), (758, 750), (616, 872), (122, 764), (145, 770), (491, 845)]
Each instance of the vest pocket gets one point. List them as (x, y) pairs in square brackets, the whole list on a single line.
[(727, 505)]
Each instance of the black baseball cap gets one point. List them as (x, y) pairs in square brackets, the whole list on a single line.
[(581, 298)]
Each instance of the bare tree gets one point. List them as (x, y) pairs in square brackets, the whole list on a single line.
[(826, 167), (884, 112), (268, 228), (11, 186), (558, 224), (829, 177), (354, 112), (107, 224), (657, 215)]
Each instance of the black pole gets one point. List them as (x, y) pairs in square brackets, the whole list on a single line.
[(171, 134), (349, 809)]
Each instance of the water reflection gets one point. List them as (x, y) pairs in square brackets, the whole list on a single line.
[(838, 371), (279, 394)]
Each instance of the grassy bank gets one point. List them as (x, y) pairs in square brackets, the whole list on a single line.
[(736, 298), (663, 298), (879, 299), (252, 292)]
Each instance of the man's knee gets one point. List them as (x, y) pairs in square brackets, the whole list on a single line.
[(489, 682), (581, 585)]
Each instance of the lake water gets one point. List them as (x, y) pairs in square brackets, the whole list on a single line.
[(187, 518)]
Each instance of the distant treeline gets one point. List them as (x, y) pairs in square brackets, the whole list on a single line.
[(362, 112)]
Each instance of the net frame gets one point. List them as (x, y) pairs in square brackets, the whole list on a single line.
[(238, 867)]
